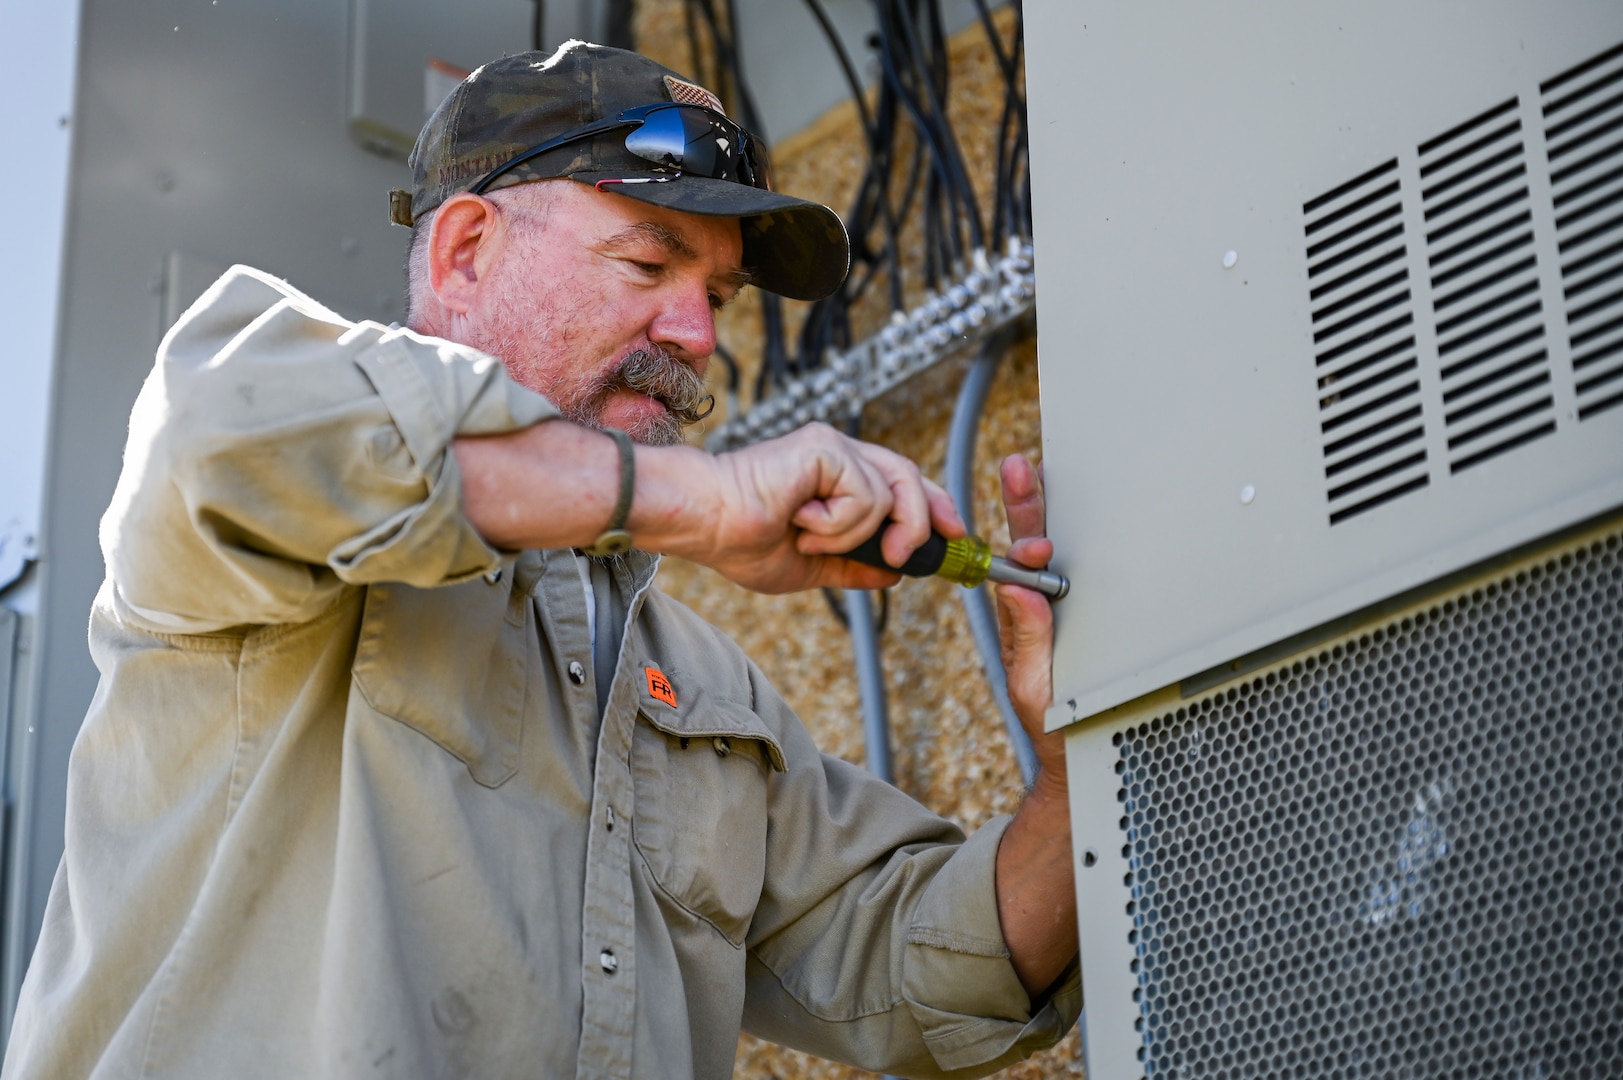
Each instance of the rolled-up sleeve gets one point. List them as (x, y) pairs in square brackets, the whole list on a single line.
[(877, 941), (278, 452), (956, 975)]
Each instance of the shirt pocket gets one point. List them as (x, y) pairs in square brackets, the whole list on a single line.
[(452, 663), (700, 822)]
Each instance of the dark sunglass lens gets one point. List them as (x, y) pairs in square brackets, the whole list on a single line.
[(690, 140), (660, 138), (758, 164)]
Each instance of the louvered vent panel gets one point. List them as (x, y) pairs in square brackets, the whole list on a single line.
[(1462, 297), (1489, 320), (1583, 118), (1364, 343)]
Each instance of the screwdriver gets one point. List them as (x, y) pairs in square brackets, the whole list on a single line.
[(968, 562)]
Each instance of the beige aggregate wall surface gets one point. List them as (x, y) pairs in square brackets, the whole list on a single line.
[(951, 752)]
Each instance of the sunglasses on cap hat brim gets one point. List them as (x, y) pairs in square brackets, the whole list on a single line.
[(691, 139)]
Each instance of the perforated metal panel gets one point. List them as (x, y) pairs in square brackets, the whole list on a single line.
[(1399, 855)]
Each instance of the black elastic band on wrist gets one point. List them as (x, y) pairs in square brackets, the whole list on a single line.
[(615, 540)]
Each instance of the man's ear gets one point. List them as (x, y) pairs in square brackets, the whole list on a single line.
[(462, 246)]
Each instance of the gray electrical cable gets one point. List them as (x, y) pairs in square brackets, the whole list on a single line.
[(871, 687), (870, 682), (960, 470)]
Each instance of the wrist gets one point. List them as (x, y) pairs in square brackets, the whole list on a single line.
[(615, 539), (1051, 785), (674, 508)]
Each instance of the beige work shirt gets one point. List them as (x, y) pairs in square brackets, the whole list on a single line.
[(344, 804)]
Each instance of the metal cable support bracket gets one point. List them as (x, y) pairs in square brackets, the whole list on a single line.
[(992, 296)]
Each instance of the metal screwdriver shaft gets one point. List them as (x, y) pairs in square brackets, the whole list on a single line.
[(1047, 582), (968, 562)]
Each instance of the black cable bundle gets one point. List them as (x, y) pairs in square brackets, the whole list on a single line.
[(1011, 209), (720, 68), (931, 178)]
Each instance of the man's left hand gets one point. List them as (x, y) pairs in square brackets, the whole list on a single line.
[(1036, 892), (1026, 618)]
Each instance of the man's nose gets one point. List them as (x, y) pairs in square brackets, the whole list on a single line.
[(686, 325)]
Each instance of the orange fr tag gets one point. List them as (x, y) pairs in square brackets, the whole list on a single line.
[(660, 687)]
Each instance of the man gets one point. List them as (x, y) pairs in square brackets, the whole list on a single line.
[(383, 778)]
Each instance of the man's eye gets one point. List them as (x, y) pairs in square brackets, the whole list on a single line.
[(648, 267), (717, 302)]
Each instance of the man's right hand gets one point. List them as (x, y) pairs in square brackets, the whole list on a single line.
[(772, 517), (786, 508)]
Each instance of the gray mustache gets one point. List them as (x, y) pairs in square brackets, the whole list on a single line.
[(664, 378)]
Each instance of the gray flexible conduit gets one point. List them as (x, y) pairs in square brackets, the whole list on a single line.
[(960, 470), (870, 682)]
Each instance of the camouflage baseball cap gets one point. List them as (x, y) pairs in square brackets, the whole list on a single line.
[(792, 247)]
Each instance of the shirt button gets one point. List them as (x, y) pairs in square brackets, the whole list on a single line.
[(577, 672), (610, 962), (723, 747), (494, 576)]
